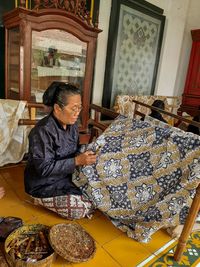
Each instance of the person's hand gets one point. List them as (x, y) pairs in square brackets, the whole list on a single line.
[(2, 192), (86, 158)]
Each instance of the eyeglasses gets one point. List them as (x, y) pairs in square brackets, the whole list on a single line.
[(75, 109)]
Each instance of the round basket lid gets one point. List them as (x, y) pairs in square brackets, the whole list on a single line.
[(72, 242)]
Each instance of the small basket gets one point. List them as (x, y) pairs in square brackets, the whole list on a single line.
[(25, 231), (72, 242)]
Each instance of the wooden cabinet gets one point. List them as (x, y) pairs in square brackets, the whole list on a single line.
[(46, 44), (191, 95)]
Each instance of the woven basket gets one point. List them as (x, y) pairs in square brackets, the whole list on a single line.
[(72, 242), (24, 230)]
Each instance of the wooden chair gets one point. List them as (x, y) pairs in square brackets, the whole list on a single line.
[(96, 125), (84, 137), (187, 229)]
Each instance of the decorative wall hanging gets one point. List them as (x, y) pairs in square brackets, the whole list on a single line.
[(134, 44)]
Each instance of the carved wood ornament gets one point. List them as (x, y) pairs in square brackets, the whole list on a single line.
[(77, 7)]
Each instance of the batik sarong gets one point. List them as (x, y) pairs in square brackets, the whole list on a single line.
[(68, 206)]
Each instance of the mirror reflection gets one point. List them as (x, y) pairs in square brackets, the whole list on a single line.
[(56, 56)]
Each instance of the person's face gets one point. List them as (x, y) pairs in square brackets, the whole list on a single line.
[(68, 115)]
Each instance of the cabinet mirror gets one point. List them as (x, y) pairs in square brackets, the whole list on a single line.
[(56, 56)]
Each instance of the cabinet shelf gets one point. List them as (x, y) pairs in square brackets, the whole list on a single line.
[(58, 71)]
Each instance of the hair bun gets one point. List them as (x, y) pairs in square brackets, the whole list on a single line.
[(50, 93)]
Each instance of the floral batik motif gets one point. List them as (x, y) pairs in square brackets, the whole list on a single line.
[(170, 183), (145, 176), (113, 168), (145, 193), (194, 168), (113, 144), (185, 144), (140, 165), (165, 160), (118, 197)]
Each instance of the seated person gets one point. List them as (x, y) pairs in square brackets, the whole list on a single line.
[(2, 192), (52, 156), (156, 114), (194, 129)]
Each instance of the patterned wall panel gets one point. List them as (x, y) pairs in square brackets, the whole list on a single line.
[(136, 52)]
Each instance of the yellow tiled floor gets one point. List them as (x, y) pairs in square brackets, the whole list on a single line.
[(114, 248)]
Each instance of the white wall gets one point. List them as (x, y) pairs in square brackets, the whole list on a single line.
[(181, 17), (104, 18), (176, 14)]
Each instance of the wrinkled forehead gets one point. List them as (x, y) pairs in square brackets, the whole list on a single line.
[(73, 100)]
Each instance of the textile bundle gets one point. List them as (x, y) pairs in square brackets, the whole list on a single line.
[(13, 138), (145, 176)]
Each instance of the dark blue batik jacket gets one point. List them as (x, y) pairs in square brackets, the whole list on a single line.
[(51, 159)]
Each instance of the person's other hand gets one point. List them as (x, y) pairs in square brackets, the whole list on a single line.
[(2, 192), (86, 158)]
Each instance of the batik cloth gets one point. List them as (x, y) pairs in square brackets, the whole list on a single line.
[(68, 206), (13, 138), (145, 176)]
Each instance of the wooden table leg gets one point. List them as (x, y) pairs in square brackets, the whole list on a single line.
[(188, 225)]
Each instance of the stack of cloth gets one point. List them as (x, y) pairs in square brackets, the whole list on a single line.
[(13, 138)]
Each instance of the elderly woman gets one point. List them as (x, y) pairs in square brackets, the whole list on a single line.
[(53, 154)]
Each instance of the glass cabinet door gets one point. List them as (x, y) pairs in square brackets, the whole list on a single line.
[(56, 56), (13, 63)]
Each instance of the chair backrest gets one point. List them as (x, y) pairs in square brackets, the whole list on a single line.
[(125, 105), (97, 125)]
